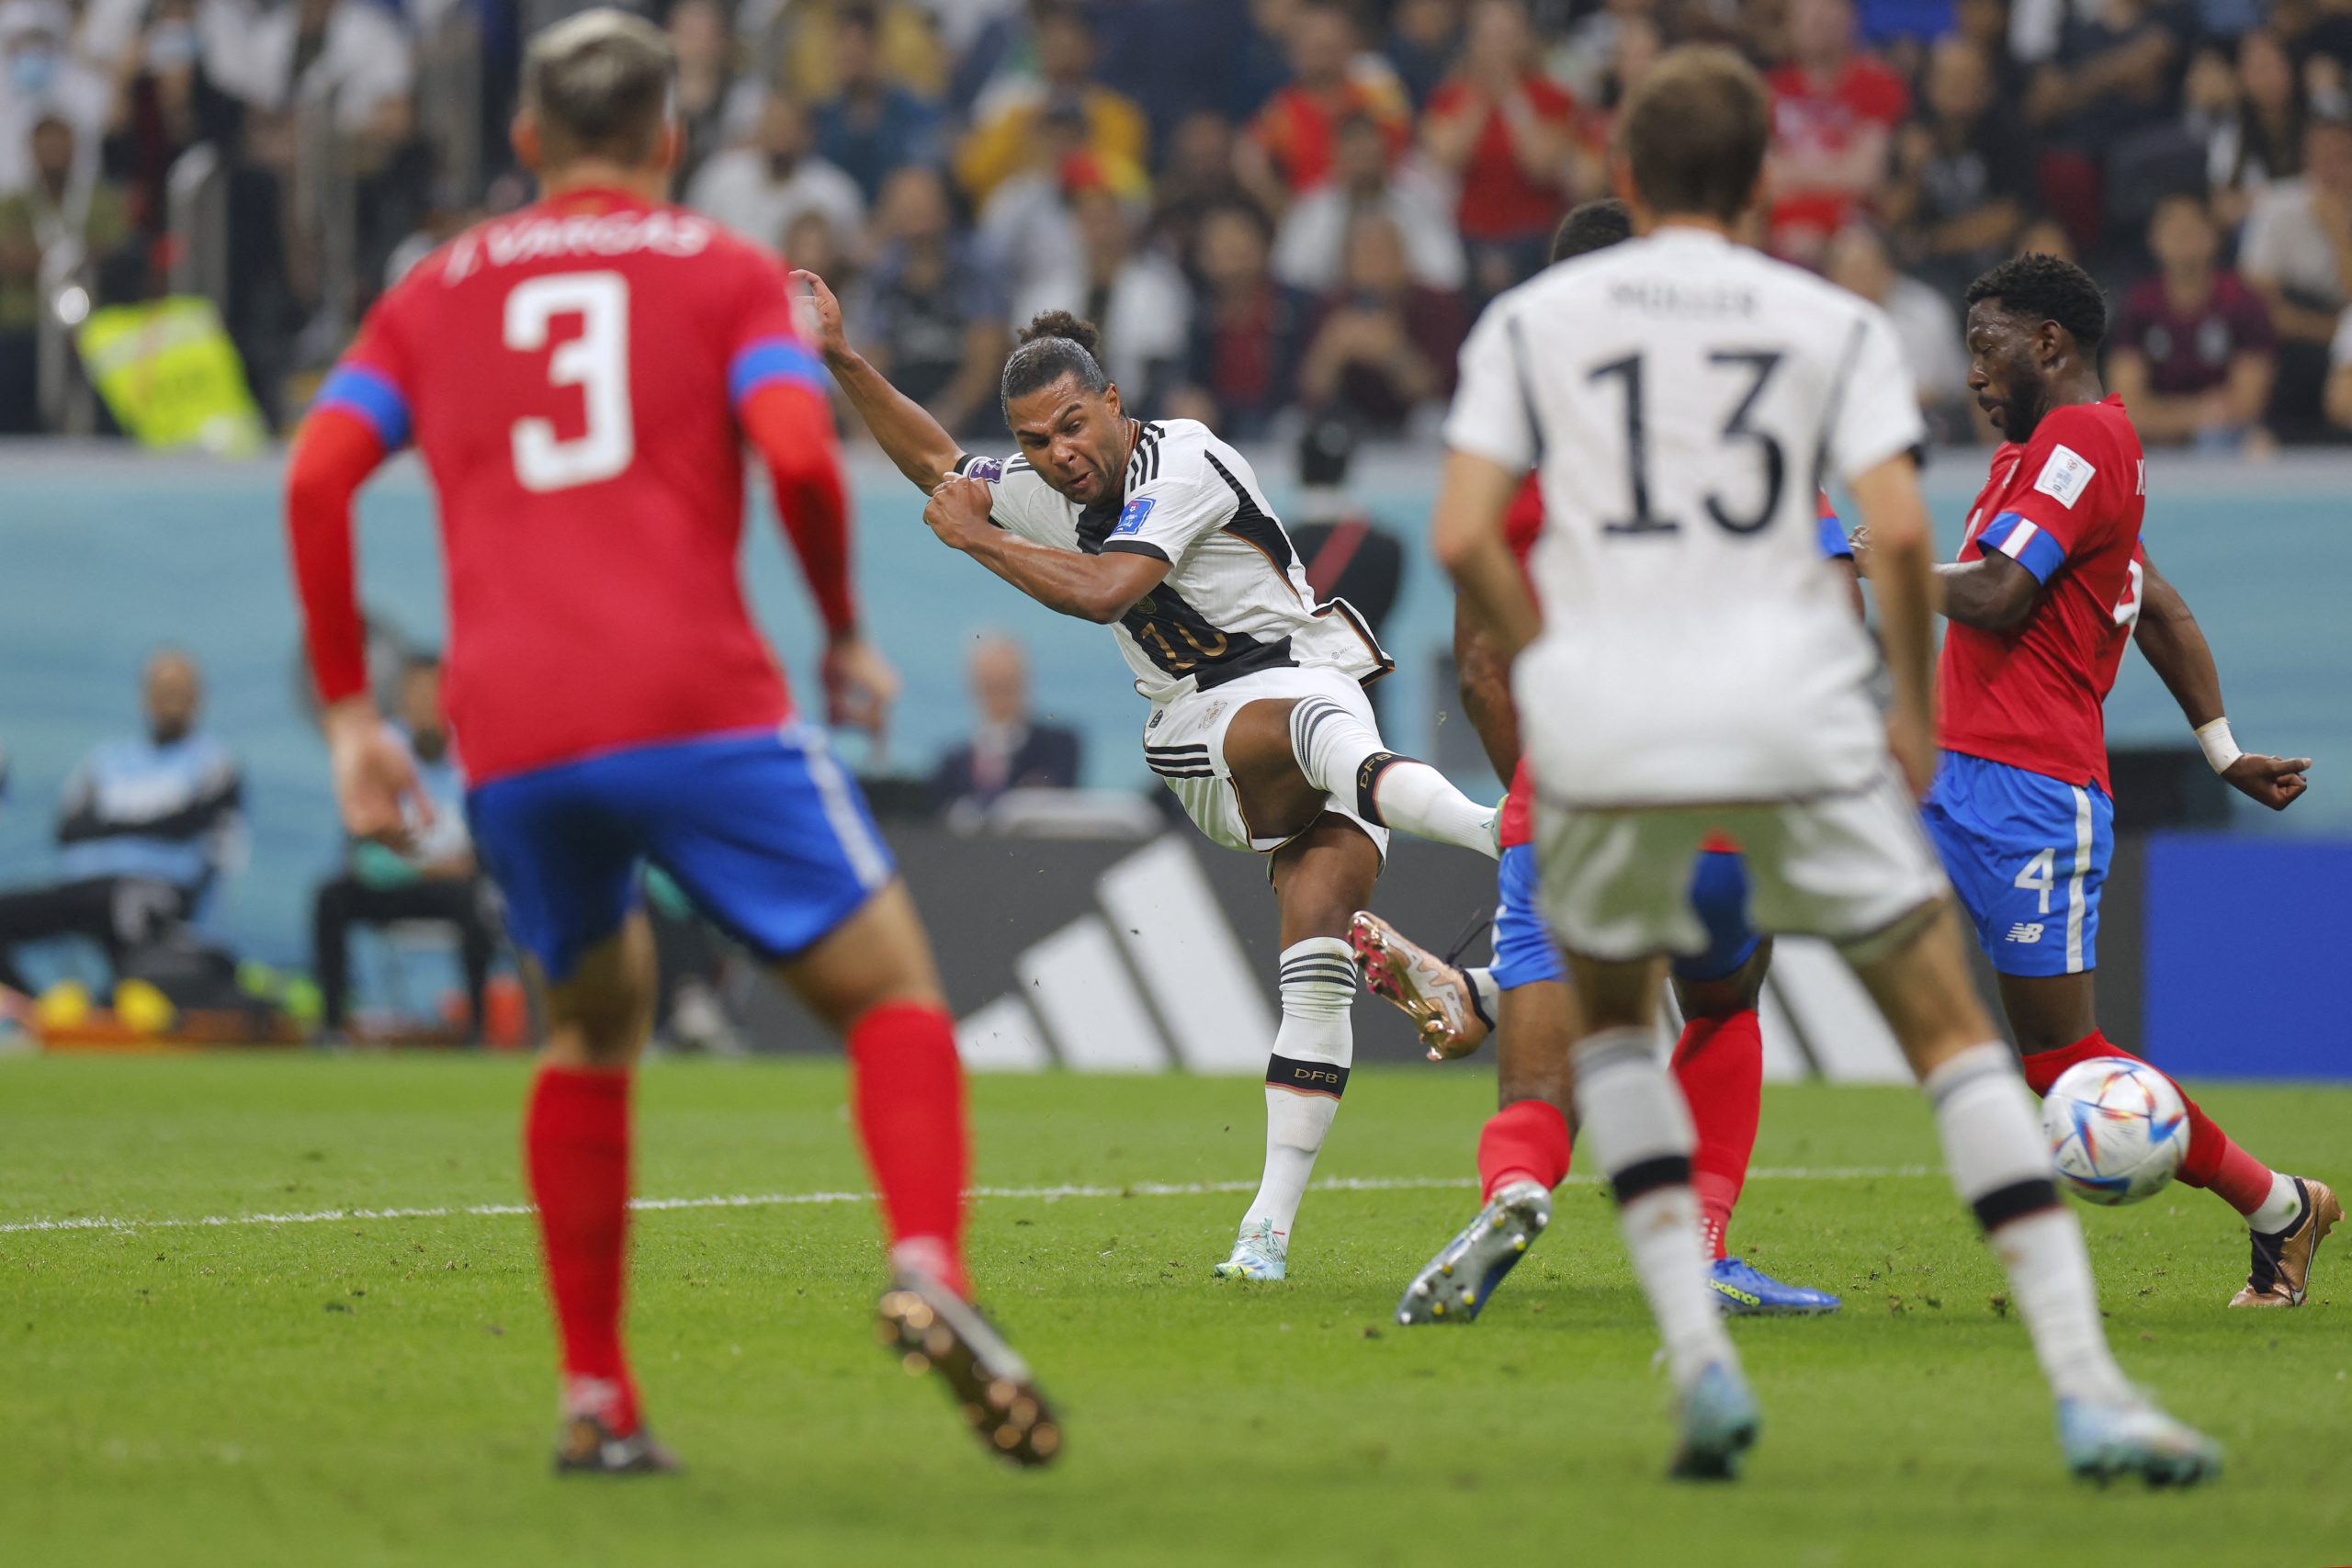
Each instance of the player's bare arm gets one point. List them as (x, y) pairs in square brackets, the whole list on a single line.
[(2174, 646), (902, 427), (1897, 518), (1485, 675), (1993, 593), (1467, 533), (1101, 589)]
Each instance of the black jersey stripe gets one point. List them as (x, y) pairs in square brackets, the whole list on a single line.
[(1253, 525)]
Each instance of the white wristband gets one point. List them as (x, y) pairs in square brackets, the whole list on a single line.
[(2221, 746)]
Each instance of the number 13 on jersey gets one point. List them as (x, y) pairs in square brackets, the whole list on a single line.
[(596, 361)]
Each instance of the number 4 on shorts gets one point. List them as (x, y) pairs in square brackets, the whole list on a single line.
[(2040, 876)]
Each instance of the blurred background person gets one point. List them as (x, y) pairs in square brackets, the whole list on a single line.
[(439, 882), (713, 98), (1925, 324), (869, 125), (1109, 124), (2191, 354), (1963, 172), (1136, 296), (1010, 748), (930, 317), (1311, 244), (1249, 327), (148, 825), (2296, 253), (1835, 108), (1383, 352), (67, 225), (1505, 135), (1292, 142), (760, 188)]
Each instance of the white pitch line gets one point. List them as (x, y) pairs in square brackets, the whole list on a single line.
[(784, 1199)]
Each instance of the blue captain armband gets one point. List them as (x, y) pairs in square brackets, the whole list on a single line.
[(2024, 542), (771, 360), (367, 395)]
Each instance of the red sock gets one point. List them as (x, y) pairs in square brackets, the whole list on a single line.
[(2213, 1160), (1525, 1141), (1719, 1062), (906, 1093), (575, 1148)]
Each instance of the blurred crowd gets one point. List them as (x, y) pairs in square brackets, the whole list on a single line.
[(1280, 210)]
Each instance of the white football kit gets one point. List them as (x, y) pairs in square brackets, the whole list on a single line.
[(1682, 399), (1234, 620)]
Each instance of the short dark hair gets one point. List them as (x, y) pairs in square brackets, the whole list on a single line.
[(1593, 226), (1695, 132), (1054, 344), (2046, 288), (599, 85)]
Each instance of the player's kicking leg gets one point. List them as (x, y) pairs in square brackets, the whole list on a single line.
[(2028, 856)]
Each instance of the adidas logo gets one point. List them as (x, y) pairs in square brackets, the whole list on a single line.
[(1155, 980)]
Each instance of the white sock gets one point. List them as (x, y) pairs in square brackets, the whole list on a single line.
[(1307, 1072), (1999, 1163), (2281, 1210), (1342, 755), (1485, 995), (1634, 1119)]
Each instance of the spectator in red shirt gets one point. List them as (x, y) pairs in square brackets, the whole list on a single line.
[(1507, 134), (1290, 144), (2193, 355), (1834, 114)]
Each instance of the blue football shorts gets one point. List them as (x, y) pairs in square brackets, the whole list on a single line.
[(766, 832), (1525, 952), (2028, 855)]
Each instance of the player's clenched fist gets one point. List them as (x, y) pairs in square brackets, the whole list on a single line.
[(958, 513)]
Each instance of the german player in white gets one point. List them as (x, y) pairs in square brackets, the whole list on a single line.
[(1258, 721), (1693, 670)]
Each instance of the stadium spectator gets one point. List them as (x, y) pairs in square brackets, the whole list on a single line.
[(1028, 230), (1292, 142), (2249, 116), (1311, 244), (1136, 296), (1197, 178), (761, 189), (44, 79), (440, 883), (1587, 50), (1508, 136), (1247, 328), (1010, 748), (1424, 38), (904, 37), (871, 124), (1384, 348), (2110, 75), (1110, 128), (62, 228), (931, 315), (2191, 354), (1834, 113), (2296, 254), (148, 824), (165, 102), (712, 99), (2046, 237), (1963, 171), (1925, 325)]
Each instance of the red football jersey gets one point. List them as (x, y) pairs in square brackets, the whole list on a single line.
[(570, 374), (2066, 506)]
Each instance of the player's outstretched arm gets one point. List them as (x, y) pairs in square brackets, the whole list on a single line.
[(2174, 646), (1101, 588), (1901, 564), (1467, 534), (376, 785), (906, 432)]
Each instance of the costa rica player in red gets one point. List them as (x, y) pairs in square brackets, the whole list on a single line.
[(2050, 584), (581, 377)]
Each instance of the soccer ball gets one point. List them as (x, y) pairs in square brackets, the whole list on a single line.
[(2117, 1130)]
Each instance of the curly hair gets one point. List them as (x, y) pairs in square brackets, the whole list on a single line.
[(2046, 288), (1054, 344), (1594, 225)]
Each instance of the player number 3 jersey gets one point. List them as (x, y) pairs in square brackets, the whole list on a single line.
[(1236, 599), (1681, 400)]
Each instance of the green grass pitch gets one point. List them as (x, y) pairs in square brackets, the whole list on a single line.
[(380, 1391)]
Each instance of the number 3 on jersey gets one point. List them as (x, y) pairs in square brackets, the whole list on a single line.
[(596, 362)]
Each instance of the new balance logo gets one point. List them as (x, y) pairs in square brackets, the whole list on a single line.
[(2025, 933)]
